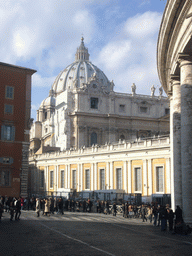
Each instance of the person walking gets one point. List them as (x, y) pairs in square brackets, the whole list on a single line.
[(114, 209), (1, 210), (155, 214), (11, 210), (143, 212), (18, 209), (47, 207), (170, 219), (37, 206), (163, 218)]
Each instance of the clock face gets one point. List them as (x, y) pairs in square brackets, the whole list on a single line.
[(94, 86)]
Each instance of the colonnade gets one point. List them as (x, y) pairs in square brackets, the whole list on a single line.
[(181, 137)]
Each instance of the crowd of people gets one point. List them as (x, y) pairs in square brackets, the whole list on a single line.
[(158, 215)]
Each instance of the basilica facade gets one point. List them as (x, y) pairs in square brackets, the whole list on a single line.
[(83, 109), (87, 137)]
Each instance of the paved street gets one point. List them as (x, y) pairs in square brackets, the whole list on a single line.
[(87, 234)]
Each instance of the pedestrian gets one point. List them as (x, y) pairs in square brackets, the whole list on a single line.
[(11, 210), (18, 209), (106, 208), (123, 209), (150, 212), (55, 205), (37, 206), (143, 212), (60, 205), (84, 206), (77, 206), (1, 210), (51, 205), (47, 207), (170, 219), (22, 203), (155, 214), (178, 214), (98, 206), (114, 209), (126, 209), (163, 217)]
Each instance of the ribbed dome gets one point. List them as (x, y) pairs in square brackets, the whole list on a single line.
[(79, 72), (49, 101)]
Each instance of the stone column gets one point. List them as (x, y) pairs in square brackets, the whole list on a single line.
[(186, 135), (175, 137)]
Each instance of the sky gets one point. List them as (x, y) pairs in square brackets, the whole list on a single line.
[(121, 36)]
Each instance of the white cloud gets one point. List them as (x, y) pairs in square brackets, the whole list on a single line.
[(131, 57), (113, 54), (29, 29), (144, 25), (39, 81), (144, 2)]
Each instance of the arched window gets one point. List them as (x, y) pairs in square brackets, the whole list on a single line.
[(45, 115), (93, 138), (122, 137)]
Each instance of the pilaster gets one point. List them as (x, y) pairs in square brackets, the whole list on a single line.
[(129, 177), (145, 182), (125, 176)]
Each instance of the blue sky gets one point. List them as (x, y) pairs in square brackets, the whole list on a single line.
[(121, 36)]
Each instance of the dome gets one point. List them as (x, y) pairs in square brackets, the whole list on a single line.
[(79, 72), (49, 101)]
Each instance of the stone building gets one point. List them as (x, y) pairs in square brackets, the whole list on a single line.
[(88, 137), (15, 109), (140, 167), (174, 59), (83, 109)]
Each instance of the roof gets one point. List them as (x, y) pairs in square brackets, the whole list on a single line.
[(18, 67)]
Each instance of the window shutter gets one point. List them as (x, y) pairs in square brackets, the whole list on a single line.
[(13, 133), (2, 132)]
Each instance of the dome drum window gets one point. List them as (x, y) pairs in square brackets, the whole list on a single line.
[(94, 103)]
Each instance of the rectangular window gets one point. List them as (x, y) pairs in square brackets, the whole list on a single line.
[(119, 178), (51, 179), (121, 108), (42, 179), (62, 179), (5, 178), (87, 179), (143, 109), (8, 109), (159, 179), (74, 179), (167, 111), (9, 92), (138, 179), (102, 179), (7, 132), (94, 103)]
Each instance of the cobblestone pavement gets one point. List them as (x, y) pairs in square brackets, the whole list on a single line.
[(87, 234)]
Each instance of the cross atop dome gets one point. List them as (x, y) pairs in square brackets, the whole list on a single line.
[(82, 51)]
